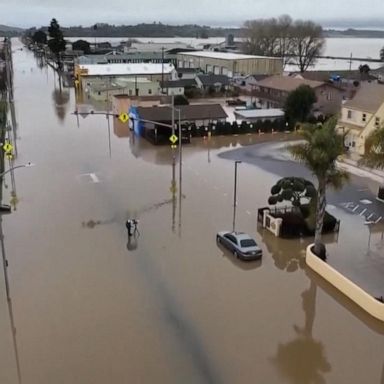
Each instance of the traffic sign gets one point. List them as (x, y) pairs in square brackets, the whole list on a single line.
[(123, 117), (173, 146), (7, 147), (173, 138)]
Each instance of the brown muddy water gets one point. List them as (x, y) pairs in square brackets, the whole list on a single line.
[(169, 306)]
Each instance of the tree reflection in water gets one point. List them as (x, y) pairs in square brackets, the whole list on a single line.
[(303, 360), (60, 99)]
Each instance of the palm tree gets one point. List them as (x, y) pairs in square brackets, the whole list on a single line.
[(374, 149), (319, 153)]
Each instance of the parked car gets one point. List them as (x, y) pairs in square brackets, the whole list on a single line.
[(234, 102), (240, 244)]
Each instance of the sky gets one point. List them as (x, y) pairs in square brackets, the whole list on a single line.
[(343, 13)]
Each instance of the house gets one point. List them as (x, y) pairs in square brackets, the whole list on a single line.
[(177, 87), (272, 92), (212, 82), (230, 64), (362, 115)]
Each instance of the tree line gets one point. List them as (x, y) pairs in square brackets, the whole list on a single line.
[(298, 42)]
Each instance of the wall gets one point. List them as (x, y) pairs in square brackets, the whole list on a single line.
[(374, 307), (271, 223), (329, 99), (263, 65)]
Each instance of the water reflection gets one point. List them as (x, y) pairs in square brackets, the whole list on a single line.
[(289, 254), (244, 265), (60, 99), (303, 360), (9, 301)]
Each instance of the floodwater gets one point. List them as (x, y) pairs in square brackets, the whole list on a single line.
[(89, 305)]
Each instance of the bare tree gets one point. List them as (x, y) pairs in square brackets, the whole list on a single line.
[(307, 44), (298, 42), (261, 37)]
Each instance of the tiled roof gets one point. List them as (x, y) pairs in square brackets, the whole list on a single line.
[(187, 112), (369, 97), (287, 83)]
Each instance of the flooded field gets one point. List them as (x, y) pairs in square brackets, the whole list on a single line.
[(90, 305)]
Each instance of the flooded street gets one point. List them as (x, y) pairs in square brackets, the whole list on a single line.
[(90, 306)]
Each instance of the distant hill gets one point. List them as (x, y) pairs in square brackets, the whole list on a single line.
[(7, 31), (351, 32), (147, 30)]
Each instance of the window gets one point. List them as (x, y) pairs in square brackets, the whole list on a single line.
[(231, 238), (377, 121), (364, 118), (349, 114), (247, 243), (149, 91), (328, 96)]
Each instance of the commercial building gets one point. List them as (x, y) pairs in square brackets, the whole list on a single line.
[(361, 115), (88, 74), (230, 64)]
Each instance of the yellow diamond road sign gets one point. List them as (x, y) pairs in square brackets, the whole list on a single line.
[(7, 147), (123, 117), (173, 139)]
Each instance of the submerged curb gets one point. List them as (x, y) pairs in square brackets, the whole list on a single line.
[(364, 300)]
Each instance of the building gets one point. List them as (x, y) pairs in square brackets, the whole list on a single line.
[(198, 114), (102, 74), (254, 115), (212, 82), (116, 57), (362, 115), (272, 92), (177, 87), (121, 103), (128, 86), (230, 64)]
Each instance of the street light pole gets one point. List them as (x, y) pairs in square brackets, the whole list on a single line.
[(17, 166), (235, 196)]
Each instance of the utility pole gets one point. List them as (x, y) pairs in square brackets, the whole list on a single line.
[(235, 196), (162, 70)]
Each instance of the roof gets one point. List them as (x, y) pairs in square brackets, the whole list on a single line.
[(369, 97), (212, 79), (187, 112), (126, 69), (179, 83), (259, 113), (226, 55), (287, 83)]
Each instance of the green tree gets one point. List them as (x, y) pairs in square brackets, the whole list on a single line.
[(298, 104), (374, 149), (56, 43), (319, 153), (81, 45), (39, 37), (292, 189)]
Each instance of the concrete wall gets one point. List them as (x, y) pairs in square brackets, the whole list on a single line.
[(271, 223), (374, 307)]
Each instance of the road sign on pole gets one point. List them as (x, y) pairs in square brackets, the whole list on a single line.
[(123, 117), (173, 139)]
